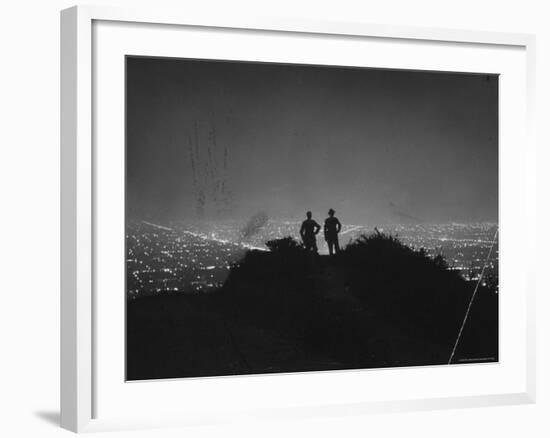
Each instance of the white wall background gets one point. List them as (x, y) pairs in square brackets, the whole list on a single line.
[(29, 216)]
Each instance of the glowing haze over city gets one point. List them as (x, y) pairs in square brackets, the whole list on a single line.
[(211, 145)]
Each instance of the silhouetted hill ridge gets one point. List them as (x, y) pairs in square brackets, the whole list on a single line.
[(377, 303), (406, 286)]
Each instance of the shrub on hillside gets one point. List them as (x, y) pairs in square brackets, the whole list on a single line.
[(284, 245)]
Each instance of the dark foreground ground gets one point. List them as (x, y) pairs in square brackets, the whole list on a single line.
[(377, 304)]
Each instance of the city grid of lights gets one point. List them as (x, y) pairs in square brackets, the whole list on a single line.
[(197, 258)]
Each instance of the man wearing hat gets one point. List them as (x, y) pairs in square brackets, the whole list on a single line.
[(332, 228)]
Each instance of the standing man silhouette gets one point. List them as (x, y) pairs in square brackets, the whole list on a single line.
[(332, 228), (308, 232)]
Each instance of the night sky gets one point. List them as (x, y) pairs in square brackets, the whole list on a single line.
[(224, 140)]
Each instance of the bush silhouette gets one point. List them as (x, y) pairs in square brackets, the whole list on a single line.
[(418, 293), (285, 245)]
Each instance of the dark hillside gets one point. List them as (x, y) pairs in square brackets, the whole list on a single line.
[(378, 303)]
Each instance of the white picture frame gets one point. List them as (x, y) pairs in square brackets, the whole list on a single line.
[(79, 311)]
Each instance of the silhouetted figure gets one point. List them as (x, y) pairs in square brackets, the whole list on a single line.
[(332, 228), (308, 231)]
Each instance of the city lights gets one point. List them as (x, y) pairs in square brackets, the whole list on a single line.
[(197, 258)]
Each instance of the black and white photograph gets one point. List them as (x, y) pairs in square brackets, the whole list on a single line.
[(275, 219), (285, 218)]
